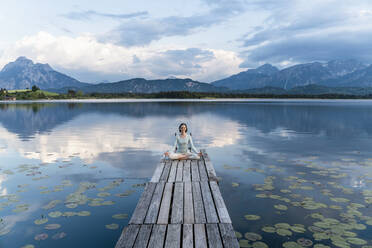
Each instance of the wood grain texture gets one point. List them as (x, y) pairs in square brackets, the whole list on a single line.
[(214, 238), (188, 215), (187, 236), (153, 211), (177, 205), (157, 238), (228, 236), (143, 236), (157, 173), (173, 171), (199, 212), (165, 174), (139, 214), (194, 171), (200, 236), (179, 176), (223, 214), (210, 209), (186, 171), (165, 206), (128, 237), (173, 238), (202, 171)]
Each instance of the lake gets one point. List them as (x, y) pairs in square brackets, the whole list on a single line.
[(291, 171)]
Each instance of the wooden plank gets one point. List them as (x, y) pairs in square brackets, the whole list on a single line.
[(157, 236), (200, 237), (202, 171), (165, 174), (173, 239), (228, 236), (210, 171), (177, 205), (163, 217), (214, 239), (188, 204), (143, 236), (194, 171), (223, 214), (186, 171), (128, 237), (179, 176), (187, 237), (205, 155), (198, 203), (173, 170), (157, 173), (152, 213), (143, 204), (210, 209)]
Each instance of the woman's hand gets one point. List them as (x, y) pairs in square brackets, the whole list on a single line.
[(200, 154), (166, 154)]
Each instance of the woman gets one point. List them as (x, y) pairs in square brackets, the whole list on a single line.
[(182, 144)]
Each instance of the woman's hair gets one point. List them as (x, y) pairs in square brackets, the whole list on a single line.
[(179, 127)]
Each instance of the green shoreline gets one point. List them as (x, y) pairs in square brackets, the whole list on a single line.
[(44, 95)]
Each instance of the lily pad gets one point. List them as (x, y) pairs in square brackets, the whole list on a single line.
[(252, 217), (298, 229), (304, 242), (28, 246), (69, 214), (83, 213), (259, 244), (283, 232), (238, 235), (41, 221), (55, 214), (356, 241), (281, 207), (120, 216), (52, 226), (112, 226), (106, 203), (244, 243), (235, 184), (103, 194), (71, 205), (42, 236), (252, 236), (268, 229), (282, 225)]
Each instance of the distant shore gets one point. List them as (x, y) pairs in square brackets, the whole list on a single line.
[(118, 100), (40, 95)]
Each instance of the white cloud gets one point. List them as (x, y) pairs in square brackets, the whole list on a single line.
[(67, 141), (86, 54)]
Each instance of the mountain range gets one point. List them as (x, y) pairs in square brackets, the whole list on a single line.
[(336, 76), (23, 73), (335, 73)]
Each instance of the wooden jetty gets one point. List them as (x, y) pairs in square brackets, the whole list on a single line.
[(181, 206)]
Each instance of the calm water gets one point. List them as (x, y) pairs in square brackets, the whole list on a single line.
[(306, 165)]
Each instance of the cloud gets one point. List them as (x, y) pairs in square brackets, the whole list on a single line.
[(90, 143), (143, 32), (89, 14), (89, 58), (293, 33)]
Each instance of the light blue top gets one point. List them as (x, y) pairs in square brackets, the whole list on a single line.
[(183, 143)]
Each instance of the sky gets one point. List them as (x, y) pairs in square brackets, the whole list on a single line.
[(206, 40)]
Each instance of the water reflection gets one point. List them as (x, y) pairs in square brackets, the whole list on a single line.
[(312, 144)]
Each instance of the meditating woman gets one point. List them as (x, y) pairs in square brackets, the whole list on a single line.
[(182, 145)]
